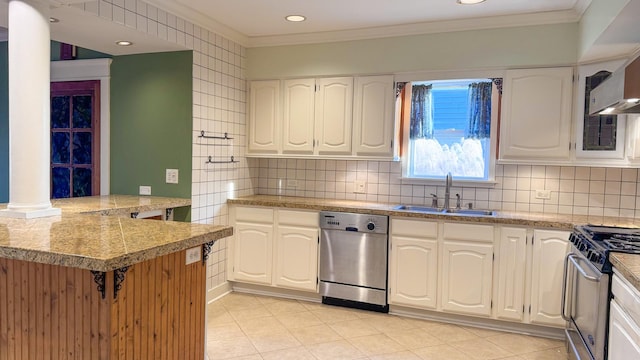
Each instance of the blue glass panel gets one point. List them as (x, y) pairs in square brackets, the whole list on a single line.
[(60, 112), (81, 182), (82, 111), (60, 180), (60, 150), (82, 148)]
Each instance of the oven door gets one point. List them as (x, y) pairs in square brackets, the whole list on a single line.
[(585, 306)]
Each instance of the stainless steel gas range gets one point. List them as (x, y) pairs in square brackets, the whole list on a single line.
[(587, 286)]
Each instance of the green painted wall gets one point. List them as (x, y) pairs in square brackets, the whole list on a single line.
[(4, 123), (81, 53), (151, 123), (526, 46)]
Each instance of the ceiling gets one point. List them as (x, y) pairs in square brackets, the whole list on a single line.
[(255, 23), (262, 23)]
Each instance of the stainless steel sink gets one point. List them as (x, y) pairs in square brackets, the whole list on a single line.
[(470, 212), (417, 208), (428, 209)]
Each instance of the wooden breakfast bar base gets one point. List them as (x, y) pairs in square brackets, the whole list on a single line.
[(57, 312), (94, 283)]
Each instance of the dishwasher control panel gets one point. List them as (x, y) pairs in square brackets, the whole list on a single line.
[(354, 222)]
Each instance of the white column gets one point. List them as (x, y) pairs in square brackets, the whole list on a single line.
[(29, 112)]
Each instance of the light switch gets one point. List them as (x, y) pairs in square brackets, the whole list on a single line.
[(171, 176)]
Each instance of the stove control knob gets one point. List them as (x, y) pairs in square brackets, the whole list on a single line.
[(582, 246), (371, 226)]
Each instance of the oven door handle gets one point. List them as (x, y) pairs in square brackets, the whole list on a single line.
[(565, 276), (581, 270)]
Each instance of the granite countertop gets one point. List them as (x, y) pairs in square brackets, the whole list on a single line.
[(629, 267), (82, 237), (628, 264), (537, 220)]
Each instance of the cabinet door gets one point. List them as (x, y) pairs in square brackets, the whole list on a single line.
[(597, 137), (549, 250), (373, 115), (624, 335), (536, 114), (512, 258), (264, 117), (253, 253), (297, 122), (413, 272), (467, 271), (334, 114), (297, 258)]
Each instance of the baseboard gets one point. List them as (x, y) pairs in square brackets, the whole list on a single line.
[(491, 324), (218, 292), (275, 292)]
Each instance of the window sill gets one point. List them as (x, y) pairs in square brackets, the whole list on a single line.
[(441, 182)]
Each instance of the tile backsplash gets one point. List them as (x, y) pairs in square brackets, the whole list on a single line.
[(573, 190)]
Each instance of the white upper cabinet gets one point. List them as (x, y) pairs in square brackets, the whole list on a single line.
[(536, 115), (298, 116), (333, 115), (597, 137), (322, 118), (373, 115), (264, 117)]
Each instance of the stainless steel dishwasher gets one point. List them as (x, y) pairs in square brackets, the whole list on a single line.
[(353, 260)]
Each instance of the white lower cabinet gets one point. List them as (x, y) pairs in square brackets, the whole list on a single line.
[(624, 329), (252, 245), (467, 268), (549, 250), (274, 247), (413, 267), (511, 268), (296, 250)]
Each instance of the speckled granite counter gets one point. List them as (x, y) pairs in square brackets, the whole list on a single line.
[(629, 267), (85, 284), (537, 220), (82, 238)]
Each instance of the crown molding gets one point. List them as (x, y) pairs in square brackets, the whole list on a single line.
[(493, 22), (197, 18)]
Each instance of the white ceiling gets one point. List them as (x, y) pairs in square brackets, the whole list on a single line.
[(261, 22)]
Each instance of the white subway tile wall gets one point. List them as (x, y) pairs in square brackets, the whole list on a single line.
[(573, 190), (219, 107)]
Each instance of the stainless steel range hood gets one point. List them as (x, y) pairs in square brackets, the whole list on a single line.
[(618, 94)]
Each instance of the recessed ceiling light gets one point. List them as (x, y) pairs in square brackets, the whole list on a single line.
[(469, 2), (295, 18), (53, 20), (124, 43)]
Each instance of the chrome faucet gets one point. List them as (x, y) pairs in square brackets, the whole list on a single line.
[(447, 190)]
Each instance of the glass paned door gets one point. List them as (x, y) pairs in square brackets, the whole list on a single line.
[(75, 140)]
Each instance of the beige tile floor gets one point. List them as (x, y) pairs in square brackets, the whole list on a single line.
[(248, 327)]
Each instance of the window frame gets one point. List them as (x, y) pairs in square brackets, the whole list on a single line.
[(494, 137)]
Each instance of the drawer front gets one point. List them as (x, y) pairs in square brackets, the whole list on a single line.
[(414, 228), (254, 215), (299, 218), (468, 232)]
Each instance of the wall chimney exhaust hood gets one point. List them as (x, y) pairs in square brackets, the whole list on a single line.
[(618, 94)]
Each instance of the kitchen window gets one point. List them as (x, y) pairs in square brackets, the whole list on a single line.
[(450, 126)]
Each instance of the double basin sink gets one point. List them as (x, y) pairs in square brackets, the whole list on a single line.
[(427, 209)]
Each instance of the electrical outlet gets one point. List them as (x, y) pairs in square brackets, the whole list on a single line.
[(360, 187), (144, 190), (193, 255), (171, 176), (292, 183), (543, 194)]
